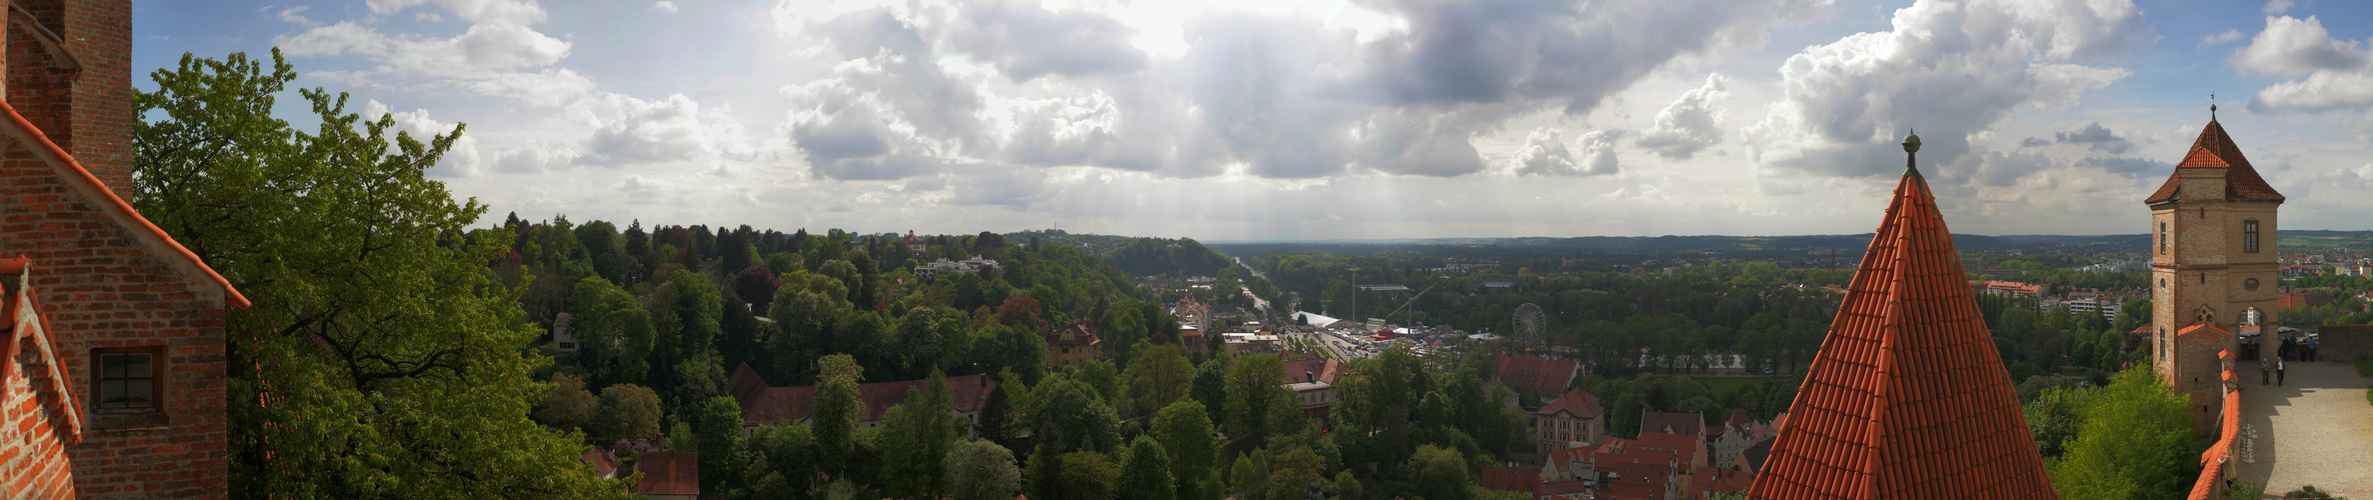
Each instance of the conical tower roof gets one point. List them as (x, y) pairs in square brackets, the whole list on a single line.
[(1907, 398), (2214, 149)]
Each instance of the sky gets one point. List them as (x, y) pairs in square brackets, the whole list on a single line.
[(1237, 120)]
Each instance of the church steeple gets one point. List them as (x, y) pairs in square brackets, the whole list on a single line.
[(1907, 398)]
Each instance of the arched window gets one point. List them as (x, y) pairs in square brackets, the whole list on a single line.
[(2249, 236)]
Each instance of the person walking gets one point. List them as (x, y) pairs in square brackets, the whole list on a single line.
[(2311, 348), (2265, 372), (2278, 374)]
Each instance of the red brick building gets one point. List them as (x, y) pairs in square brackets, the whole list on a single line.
[(119, 328), (2213, 261), (1907, 397)]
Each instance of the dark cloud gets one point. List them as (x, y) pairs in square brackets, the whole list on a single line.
[(2034, 142), (1028, 41), (2096, 138), (1494, 51)]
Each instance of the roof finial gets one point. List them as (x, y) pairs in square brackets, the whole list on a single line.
[(1911, 150), (2212, 106)]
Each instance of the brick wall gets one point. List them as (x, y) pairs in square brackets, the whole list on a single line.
[(2343, 342), (2201, 376), (103, 284), (32, 452), (88, 111)]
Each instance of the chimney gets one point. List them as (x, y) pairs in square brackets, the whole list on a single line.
[(70, 74), (1313, 375)]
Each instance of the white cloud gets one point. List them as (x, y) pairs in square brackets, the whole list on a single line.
[(2220, 38), (668, 7), (292, 15), (2339, 73), (1690, 124), (1953, 69), (474, 11), (461, 160), (1545, 153), (2279, 6)]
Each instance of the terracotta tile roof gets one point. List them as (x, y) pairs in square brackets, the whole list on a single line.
[(668, 473), (1673, 423), (1906, 398), (1740, 417), (80, 179), (1560, 458), (2214, 149), (600, 460), (763, 404), (1300, 370), (1544, 376), (1078, 333), (1563, 489), (1684, 447), (1721, 480), (1577, 402), (2302, 300), (1511, 478)]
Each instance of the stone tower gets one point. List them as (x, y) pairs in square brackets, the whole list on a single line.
[(2212, 262)]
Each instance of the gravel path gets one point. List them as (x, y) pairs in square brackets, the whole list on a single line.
[(2315, 430)]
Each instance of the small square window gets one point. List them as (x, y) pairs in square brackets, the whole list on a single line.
[(128, 386)]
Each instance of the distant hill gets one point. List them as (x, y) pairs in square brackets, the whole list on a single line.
[(2292, 240)]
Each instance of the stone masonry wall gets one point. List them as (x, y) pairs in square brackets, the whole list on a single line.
[(2343, 342)]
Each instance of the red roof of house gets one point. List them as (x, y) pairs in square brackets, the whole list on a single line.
[(1635, 490), (600, 460), (1300, 370), (1721, 480), (1684, 447), (1576, 401), (2214, 149), (765, 404), (1078, 333), (668, 473), (1907, 397), (80, 179), (2302, 300), (1673, 423), (1575, 488), (1544, 376), (1559, 458), (1511, 478)]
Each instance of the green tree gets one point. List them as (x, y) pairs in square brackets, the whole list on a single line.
[(1347, 487), (567, 406), (981, 470), (790, 457), (720, 431), (915, 435), (1293, 471), (1101, 375), (340, 241), (1253, 384), (1084, 475), (1186, 434), (1145, 472), (1158, 377), (2136, 442), (629, 411), (613, 332), (834, 416), (918, 339), (1066, 416), (1440, 474)]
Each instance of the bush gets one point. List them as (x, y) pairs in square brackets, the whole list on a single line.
[(2365, 366), (2307, 492)]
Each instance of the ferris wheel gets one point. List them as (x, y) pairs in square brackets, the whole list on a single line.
[(1530, 323)]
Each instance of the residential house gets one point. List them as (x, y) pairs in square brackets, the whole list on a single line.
[(1735, 435), (943, 266), (1072, 345), (1576, 416), (562, 340), (1312, 378)]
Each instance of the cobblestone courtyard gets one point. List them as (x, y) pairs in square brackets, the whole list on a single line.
[(2315, 430)]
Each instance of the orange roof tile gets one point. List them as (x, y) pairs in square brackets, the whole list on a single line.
[(668, 473), (1545, 376), (1511, 478), (1907, 397), (1576, 401), (2214, 149), (1673, 423)]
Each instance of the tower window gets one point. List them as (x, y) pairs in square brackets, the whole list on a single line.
[(2162, 237), (2249, 236)]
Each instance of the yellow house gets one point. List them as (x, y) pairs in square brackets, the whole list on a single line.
[(1072, 345)]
